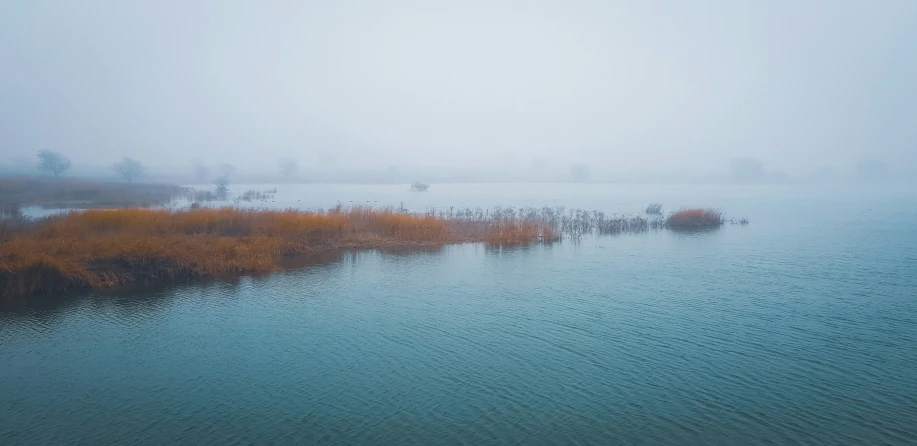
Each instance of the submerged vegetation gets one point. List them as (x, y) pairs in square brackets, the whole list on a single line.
[(563, 222), (221, 191), (256, 195)]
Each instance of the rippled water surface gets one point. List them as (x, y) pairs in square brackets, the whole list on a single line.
[(798, 328)]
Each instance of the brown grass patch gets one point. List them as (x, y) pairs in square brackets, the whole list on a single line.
[(108, 248), (520, 232), (695, 219)]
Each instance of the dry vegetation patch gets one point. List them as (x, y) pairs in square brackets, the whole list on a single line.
[(695, 219), (107, 248)]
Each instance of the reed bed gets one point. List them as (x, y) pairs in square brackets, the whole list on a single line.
[(256, 195), (100, 249), (695, 219), (562, 222)]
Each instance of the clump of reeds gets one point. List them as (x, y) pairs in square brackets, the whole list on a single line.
[(630, 225), (253, 194), (11, 212), (514, 233), (571, 223), (654, 209), (695, 219)]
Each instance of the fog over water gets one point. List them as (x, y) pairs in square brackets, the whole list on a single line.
[(629, 127), (746, 90)]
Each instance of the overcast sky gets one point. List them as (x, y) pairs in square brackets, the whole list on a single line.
[(637, 86)]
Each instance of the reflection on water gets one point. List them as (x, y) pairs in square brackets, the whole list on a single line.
[(773, 332), (694, 231)]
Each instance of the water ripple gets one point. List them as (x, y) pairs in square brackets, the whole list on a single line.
[(753, 335)]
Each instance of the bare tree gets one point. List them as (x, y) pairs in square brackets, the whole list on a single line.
[(128, 169), (54, 163), (288, 167)]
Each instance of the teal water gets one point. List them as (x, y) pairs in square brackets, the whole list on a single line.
[(800, 328)]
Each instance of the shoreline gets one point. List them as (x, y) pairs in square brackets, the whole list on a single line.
[(108, 249), (118, 276)]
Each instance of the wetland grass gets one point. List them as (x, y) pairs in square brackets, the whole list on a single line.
[(695, 219), (99, 249)]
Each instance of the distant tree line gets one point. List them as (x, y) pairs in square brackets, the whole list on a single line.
[(56, 163), (129, 169)]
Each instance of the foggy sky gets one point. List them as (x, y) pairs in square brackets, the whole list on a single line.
[(638, 86)]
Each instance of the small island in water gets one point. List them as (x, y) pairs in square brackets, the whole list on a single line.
[(417, 186)]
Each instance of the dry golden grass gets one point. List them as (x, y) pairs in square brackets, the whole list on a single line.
[(695, 218), (108, 248), (514, 233)]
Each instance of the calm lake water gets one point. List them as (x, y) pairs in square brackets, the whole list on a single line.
[(798, 328)]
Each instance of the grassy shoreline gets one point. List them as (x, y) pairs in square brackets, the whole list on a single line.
[(107, 249), (68, 193), (100, 249)]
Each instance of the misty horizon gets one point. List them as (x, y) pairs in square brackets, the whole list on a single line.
[(632, 91)]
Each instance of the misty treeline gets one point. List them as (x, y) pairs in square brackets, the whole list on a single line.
[(56, 163), (129, 169), (737, 170), (751, 170), (287, 168)]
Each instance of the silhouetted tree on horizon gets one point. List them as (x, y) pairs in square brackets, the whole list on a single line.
[(54, 163), (128, 169)]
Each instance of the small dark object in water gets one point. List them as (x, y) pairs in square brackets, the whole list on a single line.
[(417, 186)]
